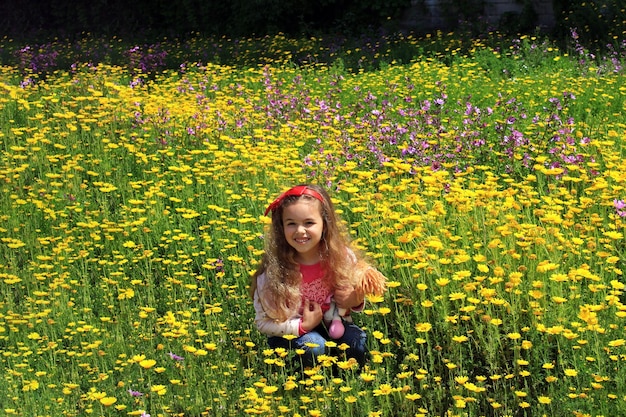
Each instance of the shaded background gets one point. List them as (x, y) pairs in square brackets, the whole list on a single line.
[(599, 21)]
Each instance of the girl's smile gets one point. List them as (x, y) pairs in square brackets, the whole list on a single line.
[(304, 226)]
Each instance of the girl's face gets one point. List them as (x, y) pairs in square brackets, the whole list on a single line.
[(304, 226)]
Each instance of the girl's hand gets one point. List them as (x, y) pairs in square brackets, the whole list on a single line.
[(347, 297), (311, 316)]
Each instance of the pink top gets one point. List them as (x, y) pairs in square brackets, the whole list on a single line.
[(314, 287)]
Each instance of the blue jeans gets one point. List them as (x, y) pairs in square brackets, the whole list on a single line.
[(354, 337)]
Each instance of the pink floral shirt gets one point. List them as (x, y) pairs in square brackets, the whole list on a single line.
[(314, 287)]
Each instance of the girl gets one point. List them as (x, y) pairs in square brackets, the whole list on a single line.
[(307, 259)]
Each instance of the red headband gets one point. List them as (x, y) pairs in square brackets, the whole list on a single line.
[(295, 191)]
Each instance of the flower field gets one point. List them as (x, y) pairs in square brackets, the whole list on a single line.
[(489, 187)]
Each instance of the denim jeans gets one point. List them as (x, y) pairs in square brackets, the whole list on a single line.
[(353, 336)]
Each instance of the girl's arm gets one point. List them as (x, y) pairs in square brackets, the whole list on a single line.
[(268, 325), (348, 298)]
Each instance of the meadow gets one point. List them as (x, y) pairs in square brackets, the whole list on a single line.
[(488, 184)]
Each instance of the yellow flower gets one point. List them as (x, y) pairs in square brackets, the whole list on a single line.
[(30, 386), (126, 294), (544, 400), (423, 327), (384, 389), (375, 299), (614, 235), (270, 389), (349, 364), (461, 379), (377, 334), (290, 385), (545, 266), (147, 363), (442, 282), (456, 296), (159, 389), (367, 377), (107, 401), (570, 372), (435, 243), (473, 387)]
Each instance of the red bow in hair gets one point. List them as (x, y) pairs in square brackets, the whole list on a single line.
[(295, 191)]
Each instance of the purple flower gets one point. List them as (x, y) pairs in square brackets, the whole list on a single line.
[(175, 356), (620, 207), (134, 393)]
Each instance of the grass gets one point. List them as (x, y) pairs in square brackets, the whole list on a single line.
[(487, 183)]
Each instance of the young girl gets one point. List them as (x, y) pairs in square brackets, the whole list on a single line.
[(307, 259)]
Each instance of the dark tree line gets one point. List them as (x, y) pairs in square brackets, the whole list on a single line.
[(23, 18), (597, 21)]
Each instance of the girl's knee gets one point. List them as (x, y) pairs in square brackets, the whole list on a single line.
[(356, 339), (312, 342), (354, 335)]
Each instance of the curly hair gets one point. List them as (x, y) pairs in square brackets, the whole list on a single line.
[(281, 295)]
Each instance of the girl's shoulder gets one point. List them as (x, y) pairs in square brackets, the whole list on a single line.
[(261, 279)]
